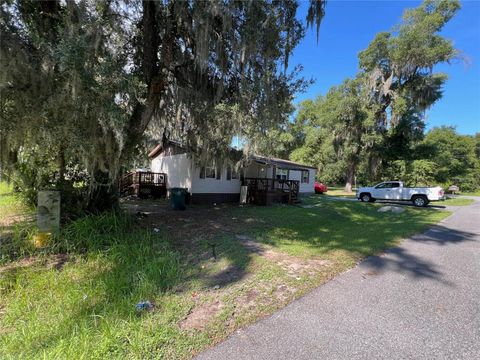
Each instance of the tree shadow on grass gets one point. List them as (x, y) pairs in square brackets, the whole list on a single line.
[(361, 229), (122, 276), (145, 270)]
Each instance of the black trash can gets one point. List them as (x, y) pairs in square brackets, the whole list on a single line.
[(177, 198)]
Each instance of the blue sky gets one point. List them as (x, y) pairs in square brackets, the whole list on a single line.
[(349, 26)]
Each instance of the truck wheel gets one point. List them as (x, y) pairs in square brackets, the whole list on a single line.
[(365, 197), (419, 201)]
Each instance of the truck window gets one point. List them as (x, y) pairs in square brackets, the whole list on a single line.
[(381, 186), (395, 185)]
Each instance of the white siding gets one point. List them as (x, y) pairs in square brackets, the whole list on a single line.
[(308, 187), (182, 172), (304, 187), (177, 167), (214, 186)]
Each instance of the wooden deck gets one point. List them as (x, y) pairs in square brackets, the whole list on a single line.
[(264, 191), (144, 184)]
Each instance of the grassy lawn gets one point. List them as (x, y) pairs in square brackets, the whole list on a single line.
[(15, 223), (207, 271), (339, 191), (9, 203), (459, 201), (473, 193)]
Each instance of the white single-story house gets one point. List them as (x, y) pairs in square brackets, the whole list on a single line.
[(220, 182)]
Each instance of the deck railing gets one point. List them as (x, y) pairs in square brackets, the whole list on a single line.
[(259, 187), (134, 181)]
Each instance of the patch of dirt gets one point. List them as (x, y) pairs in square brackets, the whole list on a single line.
[(57, 261), (264, 294), (248, 301), (50, 262), (293, 265), (184, 227), (20, 264), (200, 316), (251, 245), (284, 292), (13, 219), (203, 225)]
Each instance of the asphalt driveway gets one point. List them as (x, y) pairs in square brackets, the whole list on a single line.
[(420, 300)]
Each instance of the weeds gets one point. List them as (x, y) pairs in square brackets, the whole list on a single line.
[(94, 232), (76, 297), (88, 306)]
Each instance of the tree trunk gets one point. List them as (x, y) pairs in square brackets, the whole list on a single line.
[(349, 178), (61, 164), (103, 195), (154, 70)]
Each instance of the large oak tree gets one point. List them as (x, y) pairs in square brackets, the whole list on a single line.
[(84, 82)]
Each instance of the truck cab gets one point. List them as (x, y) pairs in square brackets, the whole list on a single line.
[(389, 190)]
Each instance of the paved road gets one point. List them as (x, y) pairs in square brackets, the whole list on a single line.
[(418, 301)]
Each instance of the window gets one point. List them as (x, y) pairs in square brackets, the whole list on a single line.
[(388, 185), (305, 176), (207, 172), (282, 174), (219, 172), (231, 173)]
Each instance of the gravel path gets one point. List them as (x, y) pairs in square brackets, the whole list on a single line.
[(420, 300)]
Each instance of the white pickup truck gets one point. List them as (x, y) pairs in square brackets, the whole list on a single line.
[(395, 191)]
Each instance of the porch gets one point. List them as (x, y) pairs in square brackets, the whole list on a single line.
[(144, 184), (265, 191)]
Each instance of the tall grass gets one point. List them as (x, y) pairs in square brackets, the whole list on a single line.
[(94, 232), (15, 225), (82, 305), (10, 203), (76, 298)]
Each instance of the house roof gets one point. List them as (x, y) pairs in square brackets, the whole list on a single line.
[(287, 164), (155, 151), (159, 148)]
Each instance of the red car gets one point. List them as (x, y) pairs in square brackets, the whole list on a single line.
[(320, 188)]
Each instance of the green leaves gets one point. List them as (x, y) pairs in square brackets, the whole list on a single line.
[(400, 62), (453, 154), (377, 54), (370, 122), (91, 81)]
